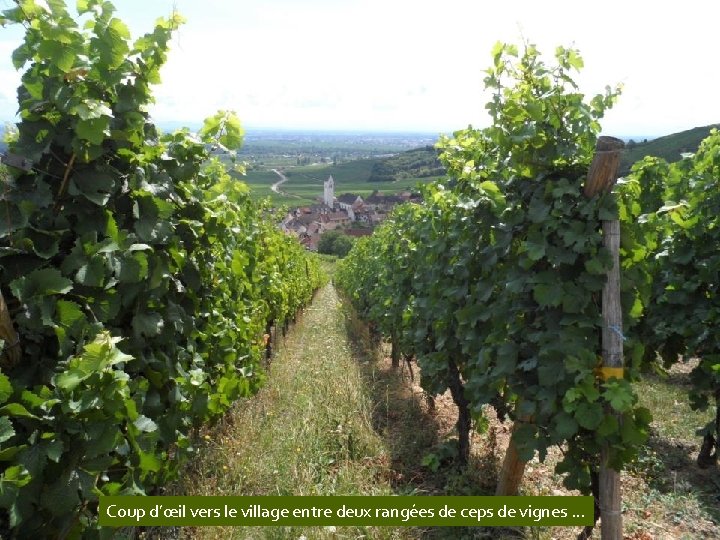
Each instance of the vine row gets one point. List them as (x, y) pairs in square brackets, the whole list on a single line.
[(139, 278)]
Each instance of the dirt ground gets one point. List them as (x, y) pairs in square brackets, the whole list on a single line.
[(653, 508)]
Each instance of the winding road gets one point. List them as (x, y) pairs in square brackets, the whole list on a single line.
[(276, 186)]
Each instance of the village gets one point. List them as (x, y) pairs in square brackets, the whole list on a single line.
[(348, 213)]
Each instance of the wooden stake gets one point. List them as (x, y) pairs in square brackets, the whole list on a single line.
[(604, 167), (464, 423), (601, 179), (513, 469), (12, 352), (612, 345), (394, 351)]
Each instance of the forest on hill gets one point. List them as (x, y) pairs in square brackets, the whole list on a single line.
[(418, 163), (668, 147)]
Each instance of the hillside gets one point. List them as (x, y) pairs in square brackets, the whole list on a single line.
[(423, 162), (417, 163), (668, 147)]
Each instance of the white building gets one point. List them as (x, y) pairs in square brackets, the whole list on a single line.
[(329, 192)]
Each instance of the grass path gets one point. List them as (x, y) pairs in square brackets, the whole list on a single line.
[(308, 432)]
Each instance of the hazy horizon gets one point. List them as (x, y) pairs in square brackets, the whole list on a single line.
[(412, 65), (194, 125)]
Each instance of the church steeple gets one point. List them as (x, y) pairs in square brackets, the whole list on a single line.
[(329, 192)]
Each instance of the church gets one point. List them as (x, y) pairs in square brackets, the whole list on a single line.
[(329, 192)]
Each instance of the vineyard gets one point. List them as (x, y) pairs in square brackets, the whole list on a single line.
[(494, 285), (139, 282), (142, 289)]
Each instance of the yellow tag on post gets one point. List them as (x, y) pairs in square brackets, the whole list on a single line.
[(610, 372)]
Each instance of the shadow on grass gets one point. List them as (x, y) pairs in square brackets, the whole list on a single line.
[(413, 431), (669, 469), (668, 460)]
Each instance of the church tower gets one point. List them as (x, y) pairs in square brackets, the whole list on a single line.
[(329, 194)]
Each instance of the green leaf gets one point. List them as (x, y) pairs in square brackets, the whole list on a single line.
[(8, 454), (16, 474), (61, 497), (147, 325), (223, 128), (92, 274), (524, 437), (6, 389), (574, 59), (111, 488), (16, 410), (97, 356), (119, 29), (69, 313), (535, 249), (548, 295), (6, 429), (565, 426), (70, 379), (538, 211), (239, 262), (595, 265), (608, 426), (197, 376), (143, 423), (111, 43), (619, 395), (14, 218), (132, 269), (42, 282), (44, 245), (83, 6), (234, 132), (103, 440), (20, 57), (643, 416), (637, 310), (54, 450), (58, 53), (589, 415), (93, 130), (92, 108), (631, 434), (492, 189), (149, 462)]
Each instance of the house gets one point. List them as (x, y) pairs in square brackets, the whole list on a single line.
[(348, 202), (333, 220)]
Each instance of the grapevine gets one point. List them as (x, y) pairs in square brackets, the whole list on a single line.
[(503, 267), (138, 275)]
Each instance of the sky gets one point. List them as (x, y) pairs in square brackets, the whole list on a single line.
[(415, 65)]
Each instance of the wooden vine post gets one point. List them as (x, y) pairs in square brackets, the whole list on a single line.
[(601, 179), (12, 352), (513, 468)]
